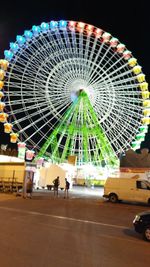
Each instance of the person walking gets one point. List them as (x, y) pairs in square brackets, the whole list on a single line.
[(29, 188), (67, 186), (56, 183)]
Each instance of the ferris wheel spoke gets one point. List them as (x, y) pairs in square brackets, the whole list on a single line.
[(58, 127), (63, 48), (96, 57), (24, 60), (26, 101), (113, 59), (106, 76), (100, 64), (86, 57), (29, 116), (66, 69), (26, 79), (116, 134), (91, 53), (123, 113), (36, 60), (116, 81), (67, 41), (47, 48), (87, 48), (112, 65), (27, 89), (77, 47), (74, 43), (121, 124), (81, 54), (124, 97), (33, 122)]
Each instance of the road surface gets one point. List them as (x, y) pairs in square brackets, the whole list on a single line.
[(81, 231)]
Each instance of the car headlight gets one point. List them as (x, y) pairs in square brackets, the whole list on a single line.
[(137, 218)]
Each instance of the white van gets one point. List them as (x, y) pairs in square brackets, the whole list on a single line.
[(128, 189)]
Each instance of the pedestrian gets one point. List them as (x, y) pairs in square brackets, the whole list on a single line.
[(56, 185), (67, 186), (29, 188)]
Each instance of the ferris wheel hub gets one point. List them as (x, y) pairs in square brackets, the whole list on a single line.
[(78, 86)]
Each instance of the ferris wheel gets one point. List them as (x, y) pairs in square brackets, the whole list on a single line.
[(71, 88)]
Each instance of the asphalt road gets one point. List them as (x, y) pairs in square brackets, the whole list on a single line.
[(82, 231)]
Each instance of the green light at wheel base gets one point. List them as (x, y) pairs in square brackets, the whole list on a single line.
[(80, 133)]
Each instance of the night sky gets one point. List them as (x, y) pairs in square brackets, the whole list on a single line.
[(129, 21)]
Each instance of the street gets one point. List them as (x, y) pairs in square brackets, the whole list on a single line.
[(82, 231)]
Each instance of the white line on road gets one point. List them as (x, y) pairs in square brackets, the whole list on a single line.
[(64, 218)]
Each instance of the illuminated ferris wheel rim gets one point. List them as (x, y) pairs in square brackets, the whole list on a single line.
[(123, 83)]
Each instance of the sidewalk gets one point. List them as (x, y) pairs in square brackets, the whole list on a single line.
[(7, 196), (74, 192)]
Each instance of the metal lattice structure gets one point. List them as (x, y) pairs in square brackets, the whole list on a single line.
[(80, 130), (73, 89)]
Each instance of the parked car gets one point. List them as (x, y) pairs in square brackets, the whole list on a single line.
[(141, 224)]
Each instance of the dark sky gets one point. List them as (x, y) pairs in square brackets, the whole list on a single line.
[(129, 21)]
